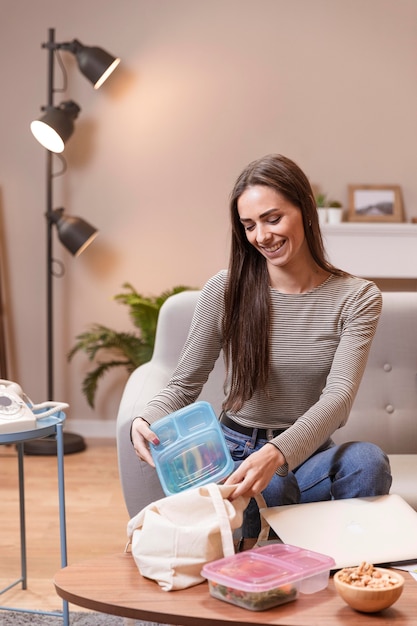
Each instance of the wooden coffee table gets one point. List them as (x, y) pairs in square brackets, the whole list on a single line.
[(112, 584)]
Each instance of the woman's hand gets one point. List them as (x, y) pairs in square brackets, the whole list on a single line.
[(256, 471), (141, 435)]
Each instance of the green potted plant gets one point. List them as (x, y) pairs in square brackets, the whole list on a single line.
[(330, 211), (334, 212), (321, 204), (321, 200), (121, 349)]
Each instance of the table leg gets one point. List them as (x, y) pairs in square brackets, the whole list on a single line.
[(23, 556), (62, 514)]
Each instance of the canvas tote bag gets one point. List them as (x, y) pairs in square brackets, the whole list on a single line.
[(172, 538)]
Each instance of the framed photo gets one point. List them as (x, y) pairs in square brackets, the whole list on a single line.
[(375, 203)]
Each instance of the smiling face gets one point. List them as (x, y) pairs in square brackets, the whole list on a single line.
[(274, 227)]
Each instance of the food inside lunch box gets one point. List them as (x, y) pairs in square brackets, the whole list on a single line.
[(253, 600)]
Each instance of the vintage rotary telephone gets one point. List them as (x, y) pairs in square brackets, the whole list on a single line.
[(17, 411)]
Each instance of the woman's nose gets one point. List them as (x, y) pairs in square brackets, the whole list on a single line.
[(262, 233)]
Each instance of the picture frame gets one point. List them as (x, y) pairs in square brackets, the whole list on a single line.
[(375, 203)]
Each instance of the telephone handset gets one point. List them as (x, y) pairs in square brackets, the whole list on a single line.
[(17, 411)]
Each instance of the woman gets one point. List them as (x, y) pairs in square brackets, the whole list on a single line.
[(296, 334)]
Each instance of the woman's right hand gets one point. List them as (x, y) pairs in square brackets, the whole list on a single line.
[(141, 435)]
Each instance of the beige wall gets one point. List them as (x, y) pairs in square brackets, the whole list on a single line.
[(205, 86)]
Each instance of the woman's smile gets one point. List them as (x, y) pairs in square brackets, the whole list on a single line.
[(273, 248)]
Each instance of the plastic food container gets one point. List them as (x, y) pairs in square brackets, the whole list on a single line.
[(192, 449), (265, 577)]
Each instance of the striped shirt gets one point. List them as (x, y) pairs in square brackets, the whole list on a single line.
[(320, 342)]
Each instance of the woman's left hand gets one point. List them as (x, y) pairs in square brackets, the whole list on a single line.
[(256, 471)]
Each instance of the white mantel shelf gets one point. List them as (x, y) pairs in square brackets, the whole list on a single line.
[(374, 250)]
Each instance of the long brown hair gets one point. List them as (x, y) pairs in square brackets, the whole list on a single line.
[(246, 323)]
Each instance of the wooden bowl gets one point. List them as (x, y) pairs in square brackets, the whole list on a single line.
[(368, 599)]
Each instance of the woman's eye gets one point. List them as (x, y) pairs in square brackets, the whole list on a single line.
[(271, 221)]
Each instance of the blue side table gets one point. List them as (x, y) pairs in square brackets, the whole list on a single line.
[(45, 427)]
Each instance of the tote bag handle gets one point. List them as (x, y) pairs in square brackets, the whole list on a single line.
[(224, 523)]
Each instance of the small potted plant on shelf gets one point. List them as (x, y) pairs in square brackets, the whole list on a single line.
[(334, 212), (321, 200), (321, 204), (330, 211)]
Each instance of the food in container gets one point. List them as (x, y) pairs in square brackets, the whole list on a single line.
[(266, 577)]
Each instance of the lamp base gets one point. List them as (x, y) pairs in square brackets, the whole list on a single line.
[(48, 445)]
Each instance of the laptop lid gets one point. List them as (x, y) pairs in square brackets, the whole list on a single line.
[(380, 529)]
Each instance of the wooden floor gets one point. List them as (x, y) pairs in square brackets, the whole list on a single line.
[(95, 511)]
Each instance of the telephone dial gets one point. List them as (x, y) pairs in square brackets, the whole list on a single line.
[(17, 411)]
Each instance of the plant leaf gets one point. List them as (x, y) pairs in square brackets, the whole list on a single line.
[(126, 349)]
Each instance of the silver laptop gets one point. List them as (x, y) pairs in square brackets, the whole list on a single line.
[(378, 530)]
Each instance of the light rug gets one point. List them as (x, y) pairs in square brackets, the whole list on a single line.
[(17, 618)]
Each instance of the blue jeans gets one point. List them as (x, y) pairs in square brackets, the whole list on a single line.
[(350, 470)]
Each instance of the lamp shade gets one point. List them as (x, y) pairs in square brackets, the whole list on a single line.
[(56, 126), (74, 233), (95, 63)]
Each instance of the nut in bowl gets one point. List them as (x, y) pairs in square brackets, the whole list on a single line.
[(367, 588)]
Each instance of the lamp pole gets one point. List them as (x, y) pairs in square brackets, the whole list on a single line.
[(49, 224)]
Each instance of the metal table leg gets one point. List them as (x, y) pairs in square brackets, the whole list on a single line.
[(23, 556), (62, 514)]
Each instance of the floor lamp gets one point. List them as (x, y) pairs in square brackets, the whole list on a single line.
[(52, 131)]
